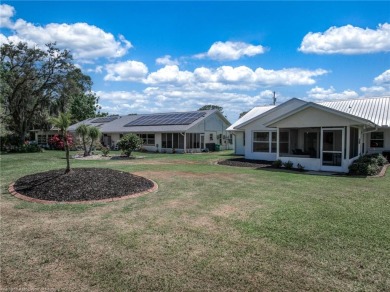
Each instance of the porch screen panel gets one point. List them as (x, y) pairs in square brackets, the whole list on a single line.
[(181, 141), (273, 142), (175, 140), (169, 140), (353, 142), (164, 140), (284, 138)]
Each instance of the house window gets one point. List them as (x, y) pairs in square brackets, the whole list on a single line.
[(147, 138), (211, 136), (243, 139), (261, 142), (42, 139), (377, 140)]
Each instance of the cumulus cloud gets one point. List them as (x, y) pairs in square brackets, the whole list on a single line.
[(85, 41), (383, 78), (225, 51), (348, 40), (169, 74), (166, 60), (319, 93), (126, 71), (375, 91), (221, 78), (6, 13)]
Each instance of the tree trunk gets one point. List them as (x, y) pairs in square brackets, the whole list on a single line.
[(85, 147), (90, 147), (67, 170)]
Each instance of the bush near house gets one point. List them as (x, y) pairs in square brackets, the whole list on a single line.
[(57, 143), (130, 143), (369, 164)]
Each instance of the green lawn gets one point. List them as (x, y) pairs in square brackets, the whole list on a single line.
[(209, 227)]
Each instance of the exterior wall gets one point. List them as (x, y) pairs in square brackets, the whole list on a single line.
[(214, 125), (386, 136), (312, 117), (249, 153), (257, 125), (239, 147)]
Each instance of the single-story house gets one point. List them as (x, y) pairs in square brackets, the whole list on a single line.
[(325, 136), (164, 132)]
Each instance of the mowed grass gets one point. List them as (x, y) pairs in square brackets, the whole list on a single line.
[(209, 227)]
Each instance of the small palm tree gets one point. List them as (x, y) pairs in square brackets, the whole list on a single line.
[(83, 131), (94, 133), (63, 122)]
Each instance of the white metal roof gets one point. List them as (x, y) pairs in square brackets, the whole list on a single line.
[(256, 111), (376, 110)]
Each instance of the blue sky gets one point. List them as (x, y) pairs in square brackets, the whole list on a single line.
[(148, 57)]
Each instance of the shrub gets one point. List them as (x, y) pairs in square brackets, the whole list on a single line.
[(105, 151), (368, 164), (56, 142), (26, 148), (129, 143), (288, 165), (300, 167), (277, 163)]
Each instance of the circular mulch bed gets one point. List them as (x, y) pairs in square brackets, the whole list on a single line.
[(242, 162), (81, 184)]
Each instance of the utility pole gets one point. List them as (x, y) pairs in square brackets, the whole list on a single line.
[(274, 98)]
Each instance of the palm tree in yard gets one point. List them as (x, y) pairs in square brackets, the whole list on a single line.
[(94, 134), (83, 131), (62, 122)]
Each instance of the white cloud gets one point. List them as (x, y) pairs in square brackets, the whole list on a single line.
[(288, 76), (375, 91), (126, 71), (166, 60), (319, 93), (383, 78), (169, 74), (348, 40), (6, 13), (98, 69), (83, 40), (223, 51), (219, 79)]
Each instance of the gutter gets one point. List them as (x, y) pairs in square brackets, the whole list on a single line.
[(370, 131)]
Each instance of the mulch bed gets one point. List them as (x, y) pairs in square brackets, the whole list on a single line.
[(242, 162), (81, 184)]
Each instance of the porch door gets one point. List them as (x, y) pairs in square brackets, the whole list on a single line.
[(332, 146), (202, 141)]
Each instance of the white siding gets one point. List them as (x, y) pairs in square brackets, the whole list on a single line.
[(239, 147), (386, 134)]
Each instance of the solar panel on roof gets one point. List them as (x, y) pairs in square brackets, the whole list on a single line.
[(105, 119), (167, 119)]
